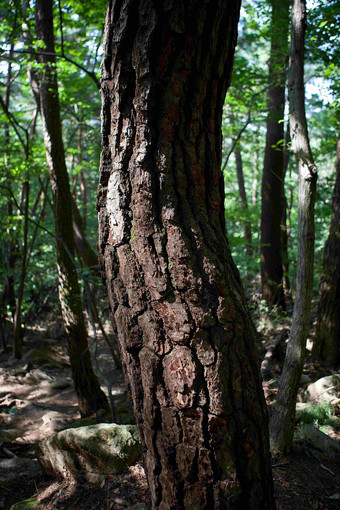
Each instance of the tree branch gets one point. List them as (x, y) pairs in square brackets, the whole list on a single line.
[(91, 74), (15, 125)]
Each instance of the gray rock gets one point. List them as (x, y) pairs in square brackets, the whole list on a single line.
[(319, 439), (90, 453), (326, 389), (54, 422)]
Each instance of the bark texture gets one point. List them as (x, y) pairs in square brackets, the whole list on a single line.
[(327, 344), (273, 167), (283, 421), (90, 396), (187, 342)]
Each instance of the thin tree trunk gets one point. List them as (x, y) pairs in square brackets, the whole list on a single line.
[(273, 167), (255, 177), (17, 316), (187, 340), (283, 421), (327, 338), (90, 396), (82, 176), (284, 222), (84, 249), (243, 199), (8, 294)]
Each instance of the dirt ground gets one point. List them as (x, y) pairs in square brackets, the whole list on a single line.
[(36, 401)]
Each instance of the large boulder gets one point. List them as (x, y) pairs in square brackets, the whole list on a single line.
[(90, 453), (326, 389)]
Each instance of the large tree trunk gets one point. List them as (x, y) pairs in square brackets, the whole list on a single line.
[(90, 396), (188, 344), (283, 421), (327, 338), (273, 167)]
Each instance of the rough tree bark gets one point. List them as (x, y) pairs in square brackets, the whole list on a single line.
[(273, 167), (187, 341), (283, 421), (90, 396), (327, 338)]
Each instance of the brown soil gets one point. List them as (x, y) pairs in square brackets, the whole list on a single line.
[(306, 480)]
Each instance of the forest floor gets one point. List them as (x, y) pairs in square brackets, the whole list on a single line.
[(36, 401)]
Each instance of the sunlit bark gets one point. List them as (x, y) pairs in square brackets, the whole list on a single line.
[(187, 341)]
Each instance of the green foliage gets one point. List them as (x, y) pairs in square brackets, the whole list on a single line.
[(23, 156), (245, 116), (319, 414)]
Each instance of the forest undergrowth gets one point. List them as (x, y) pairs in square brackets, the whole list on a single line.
[(308, 479)]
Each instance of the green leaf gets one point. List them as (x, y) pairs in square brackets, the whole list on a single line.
[(323, 23), (335, 496)]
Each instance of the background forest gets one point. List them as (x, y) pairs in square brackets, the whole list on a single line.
[(256, 100), (78, 48)]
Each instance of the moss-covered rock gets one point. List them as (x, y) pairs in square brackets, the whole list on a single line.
[(90, 453), (26, 504)]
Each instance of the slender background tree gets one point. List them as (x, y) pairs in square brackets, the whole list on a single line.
[(273, 166), (283, 420), (90, 396)]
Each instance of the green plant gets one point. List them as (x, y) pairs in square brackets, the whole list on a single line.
[(320, 414)]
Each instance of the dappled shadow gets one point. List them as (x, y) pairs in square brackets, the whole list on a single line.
[(117, 492)]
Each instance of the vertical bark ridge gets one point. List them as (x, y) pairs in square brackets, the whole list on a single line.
[(187, 341)]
